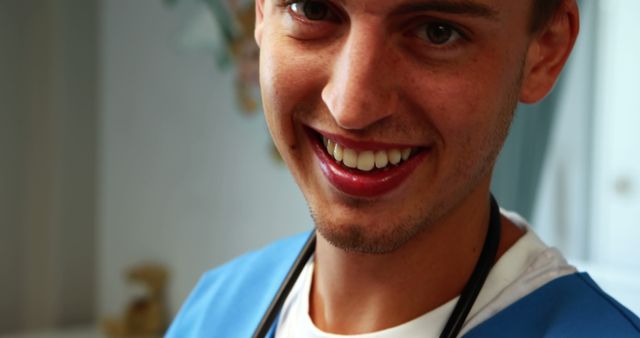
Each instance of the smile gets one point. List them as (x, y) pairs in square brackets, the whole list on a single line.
[(364, 169), (366, 160)]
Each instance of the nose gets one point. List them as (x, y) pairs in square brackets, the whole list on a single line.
[(360, 89)]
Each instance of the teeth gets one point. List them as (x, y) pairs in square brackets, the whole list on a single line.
[(330, 146), (337, 153), (381, 159), (394, 156), (405, 154), (350, 158), (366, 160)]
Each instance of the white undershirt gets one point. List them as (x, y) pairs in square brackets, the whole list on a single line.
[(526, 266)]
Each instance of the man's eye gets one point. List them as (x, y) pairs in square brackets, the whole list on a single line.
[(438, 33), (312, 10)]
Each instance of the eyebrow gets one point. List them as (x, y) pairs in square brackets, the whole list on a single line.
[(464, 7)]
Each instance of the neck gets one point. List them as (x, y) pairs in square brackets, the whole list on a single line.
[(356, 293)]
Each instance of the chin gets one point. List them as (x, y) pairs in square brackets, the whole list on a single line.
[(368, 236)]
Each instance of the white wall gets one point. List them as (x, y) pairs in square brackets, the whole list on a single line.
[(47, 163), (185, 178), (617, 164), (616, 190)]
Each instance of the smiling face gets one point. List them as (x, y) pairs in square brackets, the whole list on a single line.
[(390, 114)]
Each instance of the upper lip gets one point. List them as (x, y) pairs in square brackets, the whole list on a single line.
[(362, 145)]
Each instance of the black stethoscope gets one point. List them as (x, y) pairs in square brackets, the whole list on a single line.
[(463, 306)]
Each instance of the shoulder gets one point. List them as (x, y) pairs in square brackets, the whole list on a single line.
[(231, 299), (266, 261), (569, 306)]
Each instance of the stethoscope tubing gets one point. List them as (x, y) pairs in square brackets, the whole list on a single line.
[(285, 288)]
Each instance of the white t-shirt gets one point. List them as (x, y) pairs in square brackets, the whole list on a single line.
[(526, 266)]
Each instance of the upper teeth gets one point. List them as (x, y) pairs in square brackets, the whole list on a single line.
[(368, 159)]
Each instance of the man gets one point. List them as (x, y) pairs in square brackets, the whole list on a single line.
[(390, 115)]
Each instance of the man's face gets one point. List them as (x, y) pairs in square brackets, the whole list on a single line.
[(377, 77)]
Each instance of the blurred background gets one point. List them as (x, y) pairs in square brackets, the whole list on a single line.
[(130, 138)]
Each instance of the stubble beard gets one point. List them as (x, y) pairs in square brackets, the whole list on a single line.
[(370, 239)]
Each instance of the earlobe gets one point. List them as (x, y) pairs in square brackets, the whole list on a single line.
[(548, 53), (257, 33)]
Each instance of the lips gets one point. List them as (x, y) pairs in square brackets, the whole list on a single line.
[(364, 169)]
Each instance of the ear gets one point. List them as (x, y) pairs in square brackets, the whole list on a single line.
[(548, 51), (257, 33)]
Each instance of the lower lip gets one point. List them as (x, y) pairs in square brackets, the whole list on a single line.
[(364, 184)]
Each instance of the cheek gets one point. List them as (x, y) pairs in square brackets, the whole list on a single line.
[(455, 105), (291, 79), (469, 108), (290, 82), (276, 78), (477, 95)]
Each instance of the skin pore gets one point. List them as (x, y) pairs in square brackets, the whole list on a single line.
[(442, 76)]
